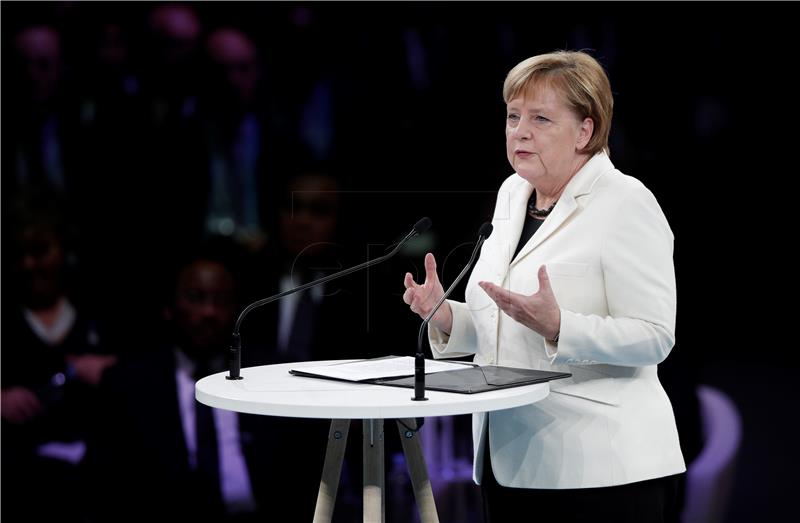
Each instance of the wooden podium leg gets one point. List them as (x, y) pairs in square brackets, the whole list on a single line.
[(418, 472), (374, 481), (332, 470)]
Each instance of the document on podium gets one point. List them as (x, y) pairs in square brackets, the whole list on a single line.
[(446, 376), (374, 369), (475, 378)]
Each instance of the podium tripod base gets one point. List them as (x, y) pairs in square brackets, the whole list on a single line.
[(374, 473)]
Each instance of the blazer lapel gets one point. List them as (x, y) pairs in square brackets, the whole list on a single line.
[(580, 185)]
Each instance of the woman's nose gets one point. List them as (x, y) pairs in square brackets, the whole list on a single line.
[(521, 131)]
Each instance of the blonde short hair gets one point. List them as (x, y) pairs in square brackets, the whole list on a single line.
[(582, 81)]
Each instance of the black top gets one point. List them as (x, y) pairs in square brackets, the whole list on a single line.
[(528, 230)]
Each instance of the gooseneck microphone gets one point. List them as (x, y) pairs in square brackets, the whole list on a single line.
[(419, 360), (235, 352)]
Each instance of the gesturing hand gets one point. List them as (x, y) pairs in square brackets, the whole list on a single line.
[(90, 367), (19, 405), (422, 298), (538, 311)]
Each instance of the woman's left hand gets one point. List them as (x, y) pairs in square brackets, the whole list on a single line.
[(539, 311)]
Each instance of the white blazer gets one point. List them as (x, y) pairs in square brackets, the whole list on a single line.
[(608, 251)]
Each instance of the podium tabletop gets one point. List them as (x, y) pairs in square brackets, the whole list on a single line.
[(271, 390)]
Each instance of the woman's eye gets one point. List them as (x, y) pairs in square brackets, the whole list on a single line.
[(512, 117), (540, 118)]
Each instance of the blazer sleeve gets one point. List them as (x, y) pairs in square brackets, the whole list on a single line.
[(639, 276), (462, 341)]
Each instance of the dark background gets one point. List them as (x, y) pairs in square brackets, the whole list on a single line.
[(704, 103)]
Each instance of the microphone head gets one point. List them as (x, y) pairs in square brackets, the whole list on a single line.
[(422, 225), (486, 230)]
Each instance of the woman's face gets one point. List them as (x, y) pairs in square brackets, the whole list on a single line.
[(544, 136)]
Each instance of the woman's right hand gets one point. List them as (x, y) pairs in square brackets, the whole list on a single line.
[(422, 298)]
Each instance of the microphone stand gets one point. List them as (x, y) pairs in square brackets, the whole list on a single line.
[(235, 351), (419, 359)]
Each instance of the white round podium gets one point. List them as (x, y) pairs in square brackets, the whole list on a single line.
[(270, 390)]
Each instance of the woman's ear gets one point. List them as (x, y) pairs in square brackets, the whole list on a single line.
[(585, 133)]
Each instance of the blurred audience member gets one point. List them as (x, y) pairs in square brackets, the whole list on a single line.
[(233, 132), (170, 85), (316, 85), (220, 164), (309, 248), (173, 55), (52, 362), (157, 448), (39, 145), (110, 83)]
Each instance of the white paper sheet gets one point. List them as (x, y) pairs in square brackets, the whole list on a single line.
[(378, 368)]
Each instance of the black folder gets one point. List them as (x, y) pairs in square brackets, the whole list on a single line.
[(474, 379)]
